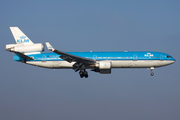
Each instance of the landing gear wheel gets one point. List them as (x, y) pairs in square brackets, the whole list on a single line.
[(152, 74), (81, 74), (86, 74), (152, 68)]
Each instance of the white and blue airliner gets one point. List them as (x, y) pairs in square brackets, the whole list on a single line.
[(102, 62)]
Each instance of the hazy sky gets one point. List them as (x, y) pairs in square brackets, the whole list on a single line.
[(33, 93)]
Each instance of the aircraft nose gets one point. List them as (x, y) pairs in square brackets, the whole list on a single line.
[(173, 60)]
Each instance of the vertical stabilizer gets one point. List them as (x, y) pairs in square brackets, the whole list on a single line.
[(20, 37)]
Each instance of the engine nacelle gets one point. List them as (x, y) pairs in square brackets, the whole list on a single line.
[(104, 67), (39, 47)]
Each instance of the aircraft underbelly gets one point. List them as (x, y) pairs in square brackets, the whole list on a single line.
[(114, 64), (139, 63), (52, 64), (133, 64)]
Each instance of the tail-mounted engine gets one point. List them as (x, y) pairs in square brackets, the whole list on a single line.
[(39, 47)]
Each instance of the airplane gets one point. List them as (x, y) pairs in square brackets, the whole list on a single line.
[(102, 62)]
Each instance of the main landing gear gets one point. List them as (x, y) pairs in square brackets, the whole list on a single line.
[(83, 73), (152, 68)]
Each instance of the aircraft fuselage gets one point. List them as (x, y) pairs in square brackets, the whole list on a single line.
[(136, 59)]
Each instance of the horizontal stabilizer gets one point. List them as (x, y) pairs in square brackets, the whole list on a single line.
[(23, 56)]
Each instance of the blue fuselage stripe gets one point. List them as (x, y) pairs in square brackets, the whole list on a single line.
[(146, 55)]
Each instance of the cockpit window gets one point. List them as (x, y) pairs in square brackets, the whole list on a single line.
[(169, 57)]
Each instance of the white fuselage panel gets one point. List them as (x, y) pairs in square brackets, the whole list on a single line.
[(114, 64)]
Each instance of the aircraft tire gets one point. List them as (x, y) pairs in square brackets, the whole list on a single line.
[(85, 74), (81, 74), (152, 74)]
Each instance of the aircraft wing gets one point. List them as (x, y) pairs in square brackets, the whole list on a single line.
[(23, 56), (69, 57)]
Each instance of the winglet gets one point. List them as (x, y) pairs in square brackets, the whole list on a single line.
[(49, 46)]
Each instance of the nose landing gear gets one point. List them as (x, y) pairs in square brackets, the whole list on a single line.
[(83, 73), (152, 68)]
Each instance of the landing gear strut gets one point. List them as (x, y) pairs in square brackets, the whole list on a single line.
[(83, 73), (152, 68)]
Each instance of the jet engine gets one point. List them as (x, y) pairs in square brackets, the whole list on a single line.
[(39, 47), (103, 67)]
